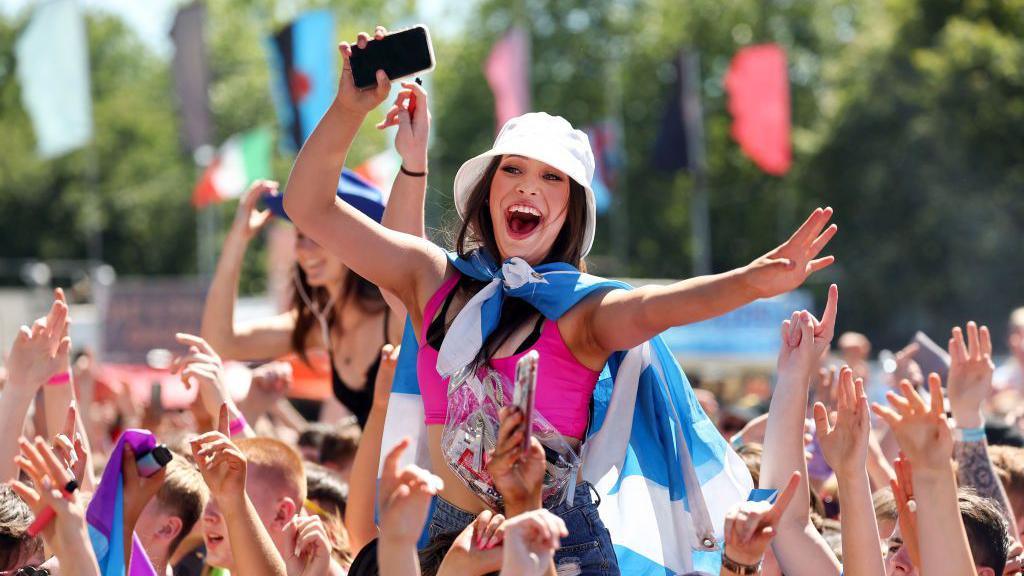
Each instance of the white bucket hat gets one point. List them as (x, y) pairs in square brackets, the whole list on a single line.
[(540, 136)]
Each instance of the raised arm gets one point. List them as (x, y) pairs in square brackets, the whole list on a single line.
[(970, 383), (749, 528), (799, 548), (37, 354), (201, 366), (844, 443), (223, 467), (925, 438), (362, 489), (407, 266), (60, 402), (624, 319), (405, 209), (405, 503), (260, 340), (67, 535)]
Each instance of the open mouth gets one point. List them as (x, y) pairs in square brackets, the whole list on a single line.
[(311, 265), (522, 220), (214, 539)]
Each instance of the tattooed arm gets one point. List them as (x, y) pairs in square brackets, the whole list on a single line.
[(970, 382), (975, 470)]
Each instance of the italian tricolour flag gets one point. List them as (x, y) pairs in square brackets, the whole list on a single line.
[(243, 158)]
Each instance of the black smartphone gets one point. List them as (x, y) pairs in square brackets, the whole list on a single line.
[(399, 54)]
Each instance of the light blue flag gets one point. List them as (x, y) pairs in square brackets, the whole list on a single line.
[(53, 69), (665, 476)]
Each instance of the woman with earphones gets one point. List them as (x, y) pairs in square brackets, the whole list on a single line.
[(333, 308)]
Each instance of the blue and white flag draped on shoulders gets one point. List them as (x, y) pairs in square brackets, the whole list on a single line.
[(665, 475)]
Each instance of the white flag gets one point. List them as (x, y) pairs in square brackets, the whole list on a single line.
[(53, 68)]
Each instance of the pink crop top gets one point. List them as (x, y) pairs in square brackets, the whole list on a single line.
[(564, 386)]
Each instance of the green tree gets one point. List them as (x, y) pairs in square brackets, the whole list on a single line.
[(925, 165)]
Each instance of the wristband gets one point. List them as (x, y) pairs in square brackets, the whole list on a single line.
[(736, 441), (237, 425), (408, 172), (969, 434), (737, 568), (59, 379)]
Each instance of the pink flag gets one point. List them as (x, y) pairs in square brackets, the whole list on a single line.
[(508, 73), (758, 87)]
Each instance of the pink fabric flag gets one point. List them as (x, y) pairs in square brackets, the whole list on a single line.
[(508, 73), (758, 87)]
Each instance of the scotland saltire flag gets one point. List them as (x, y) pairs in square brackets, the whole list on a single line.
[(665, 475)]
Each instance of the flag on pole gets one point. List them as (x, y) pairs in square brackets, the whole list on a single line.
[(53, 69), (191, 76), (680, 141), (606, 142), (304, 59), (758, 87), (242, 159), (381, 169), (508, 73)]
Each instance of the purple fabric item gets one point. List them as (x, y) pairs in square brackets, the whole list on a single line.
[(100, 513)]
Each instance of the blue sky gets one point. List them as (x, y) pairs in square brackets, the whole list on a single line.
[(152, 18)]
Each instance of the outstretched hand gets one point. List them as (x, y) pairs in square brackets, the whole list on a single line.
[(906, 507), (476, 549), (69, 446), (350, 98), (201, 366), (310, 554), (249, 219), (970, 374), (221, 463), (921, 429), (531, 540), (806, 339), (750, 526), (789, 265), (844, 441), (67, 534), (40, 352), (413, 125), (385, 376), (405, 497)]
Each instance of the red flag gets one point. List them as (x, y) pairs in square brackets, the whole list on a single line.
[(758, 88), (508, 74)]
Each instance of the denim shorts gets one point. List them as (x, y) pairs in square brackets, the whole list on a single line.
[(586, 551)]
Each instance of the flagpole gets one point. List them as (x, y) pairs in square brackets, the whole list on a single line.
[(620, 215), (206, 220), (693, 119)]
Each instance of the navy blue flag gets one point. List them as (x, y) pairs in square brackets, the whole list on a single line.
[(304, 62)]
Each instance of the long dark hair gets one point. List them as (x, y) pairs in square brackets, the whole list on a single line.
[(366, 295), (477, 233)]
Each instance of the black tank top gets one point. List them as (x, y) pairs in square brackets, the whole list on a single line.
[(359, 402)]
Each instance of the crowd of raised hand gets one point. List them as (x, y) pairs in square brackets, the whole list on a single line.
[(914, 490), (97, 484), (246, 503)]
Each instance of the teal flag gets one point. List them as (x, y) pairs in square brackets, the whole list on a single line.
[(53, 69)]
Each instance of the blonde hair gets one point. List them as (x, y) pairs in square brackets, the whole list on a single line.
[(278, 463), (183, 494)]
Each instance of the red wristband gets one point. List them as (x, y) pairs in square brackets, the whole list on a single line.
[(59, 379), (237, 425)]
